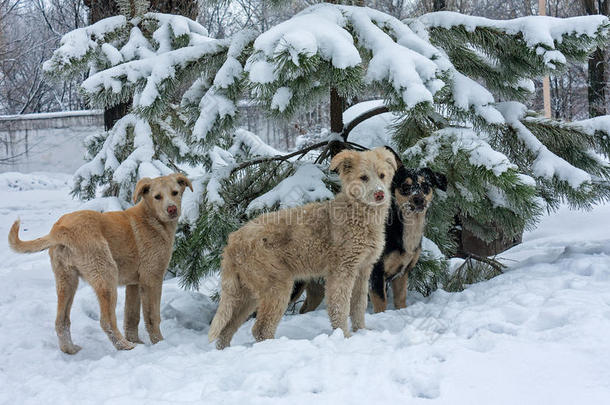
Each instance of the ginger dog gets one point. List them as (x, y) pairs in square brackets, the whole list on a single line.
[(339, 240), (131, 247)]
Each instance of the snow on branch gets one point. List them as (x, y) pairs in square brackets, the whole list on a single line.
[(413, 75), (154, 70), (546, 164), (316, 30), (467, 94), (304, 186), (79, 45), (465, 140), (218, 102), (122, 55), (255, 145), (544, 34), (536, 30), (129, 134)]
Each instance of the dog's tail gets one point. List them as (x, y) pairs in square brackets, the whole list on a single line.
[(230, 290), (30, 246)]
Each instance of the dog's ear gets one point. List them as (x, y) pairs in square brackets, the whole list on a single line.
[(142, 188), (396, 156), (183, 181), (389, 156), (399, 177), (343, 162), (438, 180)]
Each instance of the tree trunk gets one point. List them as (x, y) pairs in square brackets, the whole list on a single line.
[(469, 243), (597, 66), (439, 5)]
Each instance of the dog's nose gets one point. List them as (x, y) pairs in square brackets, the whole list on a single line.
[(172, 210), (418, 200), (379, 195)]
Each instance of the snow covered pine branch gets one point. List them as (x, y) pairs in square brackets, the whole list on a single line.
[(455, 87)]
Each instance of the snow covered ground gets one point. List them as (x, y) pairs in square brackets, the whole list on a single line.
[(538, 334)]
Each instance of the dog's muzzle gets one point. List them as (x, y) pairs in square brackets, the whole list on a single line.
[(379, 196), (172, 210)]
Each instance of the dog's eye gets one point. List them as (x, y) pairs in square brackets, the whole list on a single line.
[(158, 197), (382, 175), (425, 188), (364, 178), (174, 192)]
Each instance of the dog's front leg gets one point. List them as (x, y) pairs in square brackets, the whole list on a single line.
[(359, 300), (151, 306), (339, 287), (399, 290), (132, 313)]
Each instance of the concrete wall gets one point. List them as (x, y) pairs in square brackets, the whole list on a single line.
[(46, 142)]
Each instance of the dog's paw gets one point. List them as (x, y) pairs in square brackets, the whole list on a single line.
[(125, 345), (134, 338), (70, 349), (156, 338)]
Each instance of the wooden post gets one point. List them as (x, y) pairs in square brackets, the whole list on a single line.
[(546, 84)]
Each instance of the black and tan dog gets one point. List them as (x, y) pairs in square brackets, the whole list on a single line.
[(412, 191)]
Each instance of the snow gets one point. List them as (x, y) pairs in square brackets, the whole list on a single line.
[(281, 99), (316, 29), (468, 93), (411, 74), (47, 115), (261, 72), (536, 334), (137, 46), (479, 152), (138, 164), (592, 125), (104, 204), (254, 144), (215, 105), (79, 42), (191, 200), (15, 181), (304, 186), (373, 132), (546, 164), (539, 32), (154, 70), (112, 54)]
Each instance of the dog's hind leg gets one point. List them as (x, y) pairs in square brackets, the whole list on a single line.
[(132, 313), (151, 306), (66, 282), (242, 308), (102, 273), (377, 290), (315, 295), (270, 310), (107, 296)]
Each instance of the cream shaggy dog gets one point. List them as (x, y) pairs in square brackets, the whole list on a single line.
[(131, 247), (339, 240)]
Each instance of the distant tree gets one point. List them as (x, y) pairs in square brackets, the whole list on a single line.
[(597, 64)]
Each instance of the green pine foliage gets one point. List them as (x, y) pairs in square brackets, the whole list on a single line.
[(455, 83)]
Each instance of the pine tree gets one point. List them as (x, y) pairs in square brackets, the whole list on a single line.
[(455, 84)]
